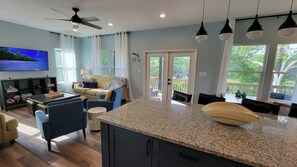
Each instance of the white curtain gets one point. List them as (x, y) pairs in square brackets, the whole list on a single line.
[(68, 61), (222, 84), (96, 48), (122, 57)]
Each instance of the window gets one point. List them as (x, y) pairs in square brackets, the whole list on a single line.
[(65, 68), (245, 69), (107, 63), (59, 67), (284, 72)]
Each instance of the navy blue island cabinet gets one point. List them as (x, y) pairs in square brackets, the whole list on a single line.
[(126, 148)]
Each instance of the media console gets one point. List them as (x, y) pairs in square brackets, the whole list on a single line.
[(15, 91)]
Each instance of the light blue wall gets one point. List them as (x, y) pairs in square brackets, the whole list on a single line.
[(270, 37), (14, 35), (209, 53)]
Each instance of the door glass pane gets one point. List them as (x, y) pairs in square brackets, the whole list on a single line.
[(284, 72), (156, 77), (244, 70), (181, 72)]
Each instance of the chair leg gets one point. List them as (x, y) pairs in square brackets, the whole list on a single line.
[(49, 145), (12, 142), (84, 132)]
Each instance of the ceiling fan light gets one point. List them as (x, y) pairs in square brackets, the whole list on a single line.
[(201, 35), (75, 27), (255, 30), (289, 27), (226, 32)]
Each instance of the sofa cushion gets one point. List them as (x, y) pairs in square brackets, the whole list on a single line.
[(80, 90), (89, 84), (102, 81), (95, 92), (11, 123)]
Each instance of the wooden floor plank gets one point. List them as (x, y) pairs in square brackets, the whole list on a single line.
[(31, 150)]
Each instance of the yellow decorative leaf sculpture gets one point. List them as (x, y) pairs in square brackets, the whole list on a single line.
[(230, 113)]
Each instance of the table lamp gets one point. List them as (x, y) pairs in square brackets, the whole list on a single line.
[(84, 74)]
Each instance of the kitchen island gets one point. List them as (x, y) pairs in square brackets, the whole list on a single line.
[(167, 134)]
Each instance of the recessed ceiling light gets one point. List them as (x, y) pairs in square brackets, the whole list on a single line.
[(162, 15), (110, 24)]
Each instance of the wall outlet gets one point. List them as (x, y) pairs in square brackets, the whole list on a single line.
[(202, 74)]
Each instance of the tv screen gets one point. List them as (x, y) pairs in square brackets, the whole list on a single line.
[(17, 59)]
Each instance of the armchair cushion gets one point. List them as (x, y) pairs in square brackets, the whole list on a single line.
[(11, 123)]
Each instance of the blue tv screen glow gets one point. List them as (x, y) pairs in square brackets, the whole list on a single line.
[(17, 59)]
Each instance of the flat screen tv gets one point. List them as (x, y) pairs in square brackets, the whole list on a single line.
[(18, 59)]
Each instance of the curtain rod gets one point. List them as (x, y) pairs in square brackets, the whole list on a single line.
[(260, 17), (60, 34)]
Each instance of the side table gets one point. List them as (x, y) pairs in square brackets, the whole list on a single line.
[(94, 122)]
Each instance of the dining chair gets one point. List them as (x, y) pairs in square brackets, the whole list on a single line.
[(181, 96), (261, 107), (293, 110), (206, 99)]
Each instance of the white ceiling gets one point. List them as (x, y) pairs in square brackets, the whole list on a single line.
[(130, 15)]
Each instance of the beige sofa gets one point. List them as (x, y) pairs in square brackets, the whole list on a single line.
[(104, 84), (8, 129)]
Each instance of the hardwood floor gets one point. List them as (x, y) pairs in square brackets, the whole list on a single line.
[(31, 150)]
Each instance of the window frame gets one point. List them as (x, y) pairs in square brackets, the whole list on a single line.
[(262, 73)]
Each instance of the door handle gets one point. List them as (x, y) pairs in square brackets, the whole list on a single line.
[(189, 157), (148, 147)]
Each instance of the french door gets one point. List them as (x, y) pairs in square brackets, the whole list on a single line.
[(167, 71)]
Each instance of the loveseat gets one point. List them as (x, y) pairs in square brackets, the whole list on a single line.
[(99, 85)]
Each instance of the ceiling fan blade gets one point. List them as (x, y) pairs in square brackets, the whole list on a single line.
[(89, 19), (60, 12), (92, 25), (57, 19)]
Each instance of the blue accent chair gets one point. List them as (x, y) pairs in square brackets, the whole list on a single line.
[(114, 102), (63, 117)]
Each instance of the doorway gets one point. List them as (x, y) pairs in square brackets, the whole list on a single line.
[(166, 71)]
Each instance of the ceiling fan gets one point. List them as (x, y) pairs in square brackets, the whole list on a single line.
[(76, 20)]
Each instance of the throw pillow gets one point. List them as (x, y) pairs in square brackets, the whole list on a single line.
[(108, 95), (89, 84)]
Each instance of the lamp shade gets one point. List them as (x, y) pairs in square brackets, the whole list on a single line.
[(84, 72), (201, 35), (255, 30), (226, 32), (289, 27)]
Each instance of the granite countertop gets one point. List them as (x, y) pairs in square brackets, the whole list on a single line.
[(271, 141)]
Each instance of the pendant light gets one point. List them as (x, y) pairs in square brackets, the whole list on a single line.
[(227, 31), (255, 30), (201, 35), (289, 27)]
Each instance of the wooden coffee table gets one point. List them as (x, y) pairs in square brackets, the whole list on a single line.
[(35, 100)]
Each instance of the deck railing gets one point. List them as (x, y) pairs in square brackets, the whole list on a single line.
[(178, 84), (251, 89), (232, 88)]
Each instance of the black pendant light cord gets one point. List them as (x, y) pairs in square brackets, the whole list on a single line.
[(291, 5), (203, 10), (228, 9), (258, 7)]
